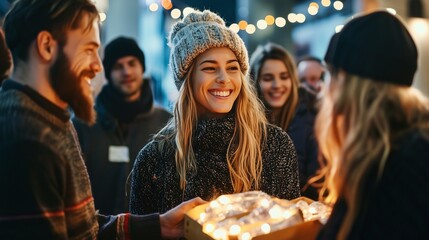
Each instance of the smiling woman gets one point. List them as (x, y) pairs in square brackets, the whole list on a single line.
[(216, 82), (287, 105), (218, 141)]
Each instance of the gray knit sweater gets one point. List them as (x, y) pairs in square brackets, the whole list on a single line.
[(155, 182)]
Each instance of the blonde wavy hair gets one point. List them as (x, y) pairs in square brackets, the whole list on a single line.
[(244, 159), (257, 60), (356, 125)]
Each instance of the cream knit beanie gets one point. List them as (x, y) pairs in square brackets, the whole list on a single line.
[(196, 33)]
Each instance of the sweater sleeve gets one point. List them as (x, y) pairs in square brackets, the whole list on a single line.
[(281, 165), (288, 165), (33, 183), (143, 193), (129, 226)]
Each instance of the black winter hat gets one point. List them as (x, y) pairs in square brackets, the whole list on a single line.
[(377, 46), (118, 48)]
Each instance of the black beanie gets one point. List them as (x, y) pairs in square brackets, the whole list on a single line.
[(377, 46), (118, 48)]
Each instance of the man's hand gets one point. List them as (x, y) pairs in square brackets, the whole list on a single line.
[(172, 221)]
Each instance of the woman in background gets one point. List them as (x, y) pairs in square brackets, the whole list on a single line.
[(287, 105)]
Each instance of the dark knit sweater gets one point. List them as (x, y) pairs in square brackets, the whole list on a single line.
[(397, 206), (46, 188), (155, 182)]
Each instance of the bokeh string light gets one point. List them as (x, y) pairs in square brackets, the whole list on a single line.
[(269, 20)]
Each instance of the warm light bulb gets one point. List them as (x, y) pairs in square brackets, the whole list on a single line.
[(214, 204), (265, 202), (312, 10), (187, 10), (280, 22), (261, 24), (266, 228), (234, 27), (269, 19), (291, 17), (250, 29), (234, 230), (326, 3), (275, 212), (242, 24), (153, 7), (220, 234), (223, 200), (175, 13), (314, 4), (208, 227), (166, 4), (287, 214), (245, 236), (300, 18), (338, 5)]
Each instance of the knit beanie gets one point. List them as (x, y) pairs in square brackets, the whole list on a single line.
[(118, 48), (377, 46), (196, 33)]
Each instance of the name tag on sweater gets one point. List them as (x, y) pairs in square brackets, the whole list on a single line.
[(119, 154)]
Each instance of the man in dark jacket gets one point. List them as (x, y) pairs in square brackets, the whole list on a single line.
[(45, 187), (126, 120)]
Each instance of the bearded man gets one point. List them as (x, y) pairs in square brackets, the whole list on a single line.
[(46, 192)]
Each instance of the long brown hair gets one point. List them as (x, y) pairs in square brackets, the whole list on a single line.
[(257, 60)]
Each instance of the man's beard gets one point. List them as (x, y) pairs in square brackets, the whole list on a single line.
[(67, 85)]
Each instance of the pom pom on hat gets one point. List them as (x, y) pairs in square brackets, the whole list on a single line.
[(377, 46), (196, 33)]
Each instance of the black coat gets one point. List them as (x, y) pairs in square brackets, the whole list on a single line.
[(301, 131), (397, 206)]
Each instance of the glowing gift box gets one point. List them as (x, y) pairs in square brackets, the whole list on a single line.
[(255, 215)]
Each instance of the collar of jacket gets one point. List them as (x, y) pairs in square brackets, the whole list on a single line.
[(112, 108)]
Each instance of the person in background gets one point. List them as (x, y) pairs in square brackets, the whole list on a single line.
[(373, 130), (126, 120), (219, 141), (311, 73), (287, 105), (46, 192), (5, 59)]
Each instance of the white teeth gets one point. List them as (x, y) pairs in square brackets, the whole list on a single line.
[(276, 94), (221, 93)]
